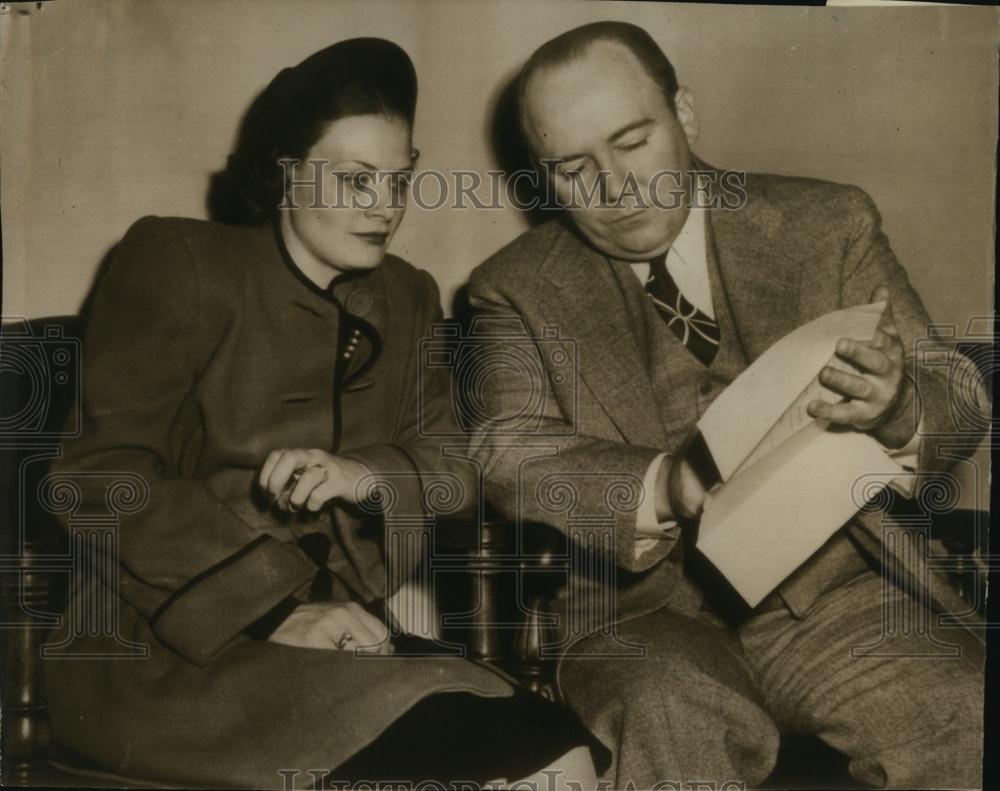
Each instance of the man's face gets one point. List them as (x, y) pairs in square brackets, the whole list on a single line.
[(602, 112)]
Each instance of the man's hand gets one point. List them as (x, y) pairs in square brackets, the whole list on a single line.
[(879, 396), (680, 489), (310, 478), (334, 627)]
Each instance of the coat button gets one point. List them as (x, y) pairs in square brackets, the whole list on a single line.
[(705, 388)]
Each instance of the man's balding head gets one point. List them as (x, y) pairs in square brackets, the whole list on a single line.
[(600, 107), (574, 43)]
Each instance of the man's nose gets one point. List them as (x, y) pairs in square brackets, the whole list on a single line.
[(613, 185)]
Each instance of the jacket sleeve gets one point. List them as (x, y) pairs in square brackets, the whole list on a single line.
[(941, 376), (194, 569), (544, 467), (426, 468)]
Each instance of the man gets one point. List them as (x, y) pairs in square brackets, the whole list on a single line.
[(662, 306)]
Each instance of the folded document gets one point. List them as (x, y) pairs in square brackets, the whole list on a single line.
[(789, 481)]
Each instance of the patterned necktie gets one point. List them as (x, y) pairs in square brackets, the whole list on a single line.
[(698, 331)]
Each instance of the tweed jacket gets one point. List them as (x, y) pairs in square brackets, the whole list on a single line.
[(796, 249), (205, 350)]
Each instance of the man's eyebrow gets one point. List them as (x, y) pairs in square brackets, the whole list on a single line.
[(629, 128)]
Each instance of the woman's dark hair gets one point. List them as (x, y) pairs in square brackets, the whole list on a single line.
[(359, 76)]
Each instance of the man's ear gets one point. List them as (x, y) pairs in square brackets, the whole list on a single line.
[(684, 109)]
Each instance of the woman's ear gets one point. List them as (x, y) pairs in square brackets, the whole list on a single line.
[(684, 110)]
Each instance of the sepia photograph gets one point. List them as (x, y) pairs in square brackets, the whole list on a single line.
[(546, 395)]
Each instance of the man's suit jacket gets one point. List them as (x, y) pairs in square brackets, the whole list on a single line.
[(797, 249)]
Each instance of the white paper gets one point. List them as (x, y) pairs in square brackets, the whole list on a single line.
[(741, 417), (770, 518)]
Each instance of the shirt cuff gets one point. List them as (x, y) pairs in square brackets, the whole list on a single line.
[(648, 530), (907, 457)]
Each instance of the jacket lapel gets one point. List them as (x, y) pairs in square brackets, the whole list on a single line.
[(589, 309), (760, 280), (365, 302)]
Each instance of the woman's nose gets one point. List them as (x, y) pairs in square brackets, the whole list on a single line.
[(386, 203)]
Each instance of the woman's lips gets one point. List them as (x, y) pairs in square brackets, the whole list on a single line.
[(375, 239)]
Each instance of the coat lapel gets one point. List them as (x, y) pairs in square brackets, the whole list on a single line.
[(587, 306), (365, 301), (759, 278)]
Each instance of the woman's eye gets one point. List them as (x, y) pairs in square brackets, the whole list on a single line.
[(362, 179)]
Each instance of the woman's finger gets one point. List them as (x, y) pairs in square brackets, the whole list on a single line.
[(322, 494), (340, 623), (273, 461), (289, 462), (313, 476), (269, 462), (377, 629)]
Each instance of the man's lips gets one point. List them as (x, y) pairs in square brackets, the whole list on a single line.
[(631, 218)]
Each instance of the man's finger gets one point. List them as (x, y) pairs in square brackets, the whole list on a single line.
[(863, 356), (847, 413), (846, 384), (882, 294)]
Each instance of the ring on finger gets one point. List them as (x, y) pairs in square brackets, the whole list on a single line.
[(321, 468)]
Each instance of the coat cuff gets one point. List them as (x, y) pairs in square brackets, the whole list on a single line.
[(396, 480), (201, 617), (632, 555)]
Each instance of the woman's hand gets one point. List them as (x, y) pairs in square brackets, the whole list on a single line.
[(310, 478), (334, 627)]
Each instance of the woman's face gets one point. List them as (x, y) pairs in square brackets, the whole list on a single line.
[(362, 165)]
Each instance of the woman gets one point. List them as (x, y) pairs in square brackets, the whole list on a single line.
[(262, 377)]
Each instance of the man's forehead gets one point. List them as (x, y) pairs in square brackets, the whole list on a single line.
[(604, 81), (609, 59)]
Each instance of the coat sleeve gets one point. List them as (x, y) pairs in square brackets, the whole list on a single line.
[(941, 376), (191, 566), (531, 468), (426, 467)]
